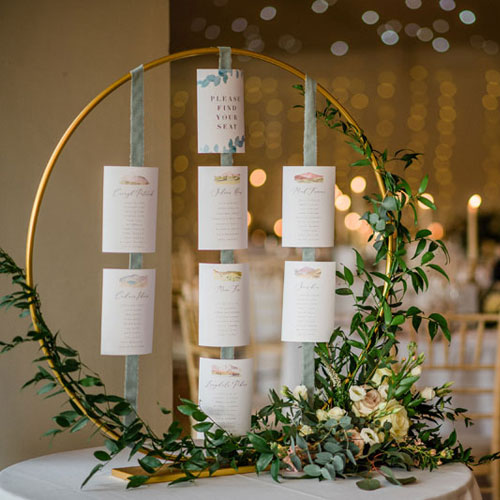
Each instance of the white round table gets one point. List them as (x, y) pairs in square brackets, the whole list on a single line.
[(59, 476)]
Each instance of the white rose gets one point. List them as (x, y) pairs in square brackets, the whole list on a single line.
[(300, 392), (369, 436), (397, 416), (336, 413), (356, 393), (322, 415), (305, 430), (380, 374), (383, 390), (417, 371), (428, 393)]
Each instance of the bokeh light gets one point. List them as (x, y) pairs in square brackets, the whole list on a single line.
[(352, 221), (249, 218), (258, 177), (370, 17), (278, 228), (437, 230), (343, 202), (339, 48), (268, 13), (475, 201), (467, 17), (358, 184)]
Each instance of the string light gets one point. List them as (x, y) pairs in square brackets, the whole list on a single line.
[(278, 228), (258, 177), (343, 202), (358, 184), (352, 221)]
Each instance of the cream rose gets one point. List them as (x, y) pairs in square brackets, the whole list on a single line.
[(380, 374), (428, 393), (354, 436), (368, 404), (356, 393), (305, 430), (417, 371), (369, 436), (398, 418), (383, 389), (321, 415), (300, 392), (336, 413)]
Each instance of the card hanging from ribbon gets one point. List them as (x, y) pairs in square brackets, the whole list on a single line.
[(131, 389)]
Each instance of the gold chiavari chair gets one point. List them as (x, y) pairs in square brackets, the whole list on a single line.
[(475, 349)]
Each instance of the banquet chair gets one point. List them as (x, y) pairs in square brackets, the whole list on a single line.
[(472, 358)]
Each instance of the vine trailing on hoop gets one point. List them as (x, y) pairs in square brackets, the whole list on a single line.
[(365, 415)]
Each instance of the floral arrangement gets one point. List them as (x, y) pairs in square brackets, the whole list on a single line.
[(365, 416)]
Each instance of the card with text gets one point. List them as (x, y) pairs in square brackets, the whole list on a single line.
[(225, 393), (308, 301), (221, 123), (308, 206), (224, 305), (222, 208), (130, 199), (128, 298)]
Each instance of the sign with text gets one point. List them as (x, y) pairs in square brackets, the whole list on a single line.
[(221, 124)]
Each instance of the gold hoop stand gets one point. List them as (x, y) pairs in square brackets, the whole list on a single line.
[(35, 211)]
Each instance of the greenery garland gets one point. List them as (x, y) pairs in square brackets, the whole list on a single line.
[(365, 416)]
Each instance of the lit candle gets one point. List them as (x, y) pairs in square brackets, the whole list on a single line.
[(472, 234)]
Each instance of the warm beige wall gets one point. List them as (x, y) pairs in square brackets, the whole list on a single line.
[(56, 55)]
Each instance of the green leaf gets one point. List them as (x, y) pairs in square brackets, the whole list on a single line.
[(46, 388), (368, 484), (112, 447), (102, 456), (426, 202), (390, 204), (361, 163), (420, 248), (97, 468), (387, 314), (398, 320), (312, 470), (136, 481), (263, 461), (389, 475), (439, 269), (186, 409), (275, 469), (80, 424), (151, 462), (259, 443), (423, 233), (203, 427), (90, 381), (427, 257), (348, 276), (423, 185), (344, 291)]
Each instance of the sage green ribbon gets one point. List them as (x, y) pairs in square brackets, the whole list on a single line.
[(226, 160), (309, 254), (131, 389)]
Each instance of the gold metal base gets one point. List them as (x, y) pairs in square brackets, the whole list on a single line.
[(166, 474)]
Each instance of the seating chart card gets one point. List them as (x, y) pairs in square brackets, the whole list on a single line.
[(127, 311), (308, 301), (224, 305), (308, 206), (225, 392), (221, 125), (222, 208), (130, 197)]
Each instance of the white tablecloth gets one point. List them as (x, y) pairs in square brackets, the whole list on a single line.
[(58, 477)]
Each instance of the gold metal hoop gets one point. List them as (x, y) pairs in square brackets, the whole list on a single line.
[(35, 211)]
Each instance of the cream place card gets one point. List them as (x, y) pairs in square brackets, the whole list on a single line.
[(308, 206), (221, 124), (130, 197), (225, 393), (222, 208), (308, 301), (128, 297), (224, 304)]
